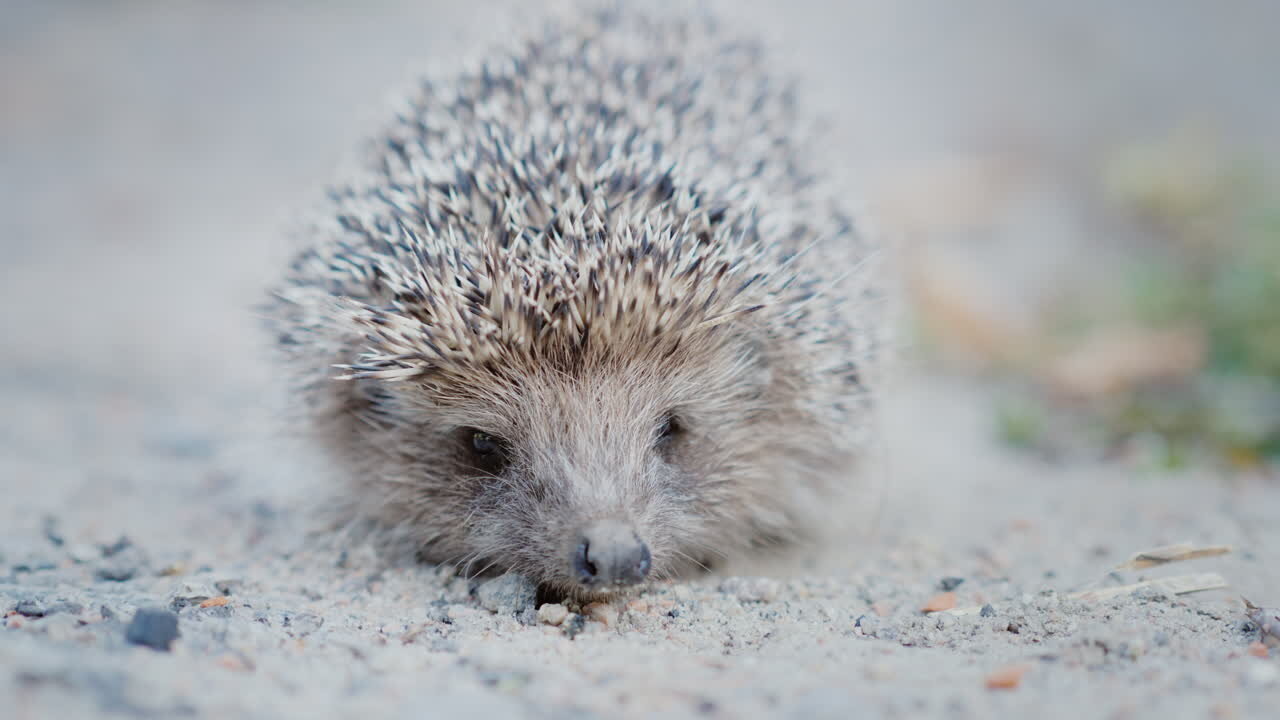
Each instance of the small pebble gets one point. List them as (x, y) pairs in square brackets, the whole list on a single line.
[(302, 624), (1007, 678), (508, 594), (191, 593), (573, 624), (229, 586), (156, 629), (940, 602), (987, 611), (868, 624), (123, 561), (602, 613), (121, 544), (32, 608), (552, 613), (116, 572), (947, 584)]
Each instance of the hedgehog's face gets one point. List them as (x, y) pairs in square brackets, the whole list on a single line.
[(595, 477)]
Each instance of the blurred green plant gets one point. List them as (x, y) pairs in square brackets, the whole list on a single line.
[(1214, 268)]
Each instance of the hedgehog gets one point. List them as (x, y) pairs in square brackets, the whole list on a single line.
[(586, 312)]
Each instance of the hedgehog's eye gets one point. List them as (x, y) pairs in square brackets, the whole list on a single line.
[(485, 444), (488, 452)]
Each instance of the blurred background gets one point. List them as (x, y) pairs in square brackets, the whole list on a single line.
[(1081, 198)]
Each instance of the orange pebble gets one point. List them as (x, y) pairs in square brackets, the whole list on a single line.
[(1007, 678), (215, 601), (939, 602)]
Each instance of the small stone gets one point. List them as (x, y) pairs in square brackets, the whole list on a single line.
[(1256, 648), (509, 594), (191, 593), (602, 613), (116, 572), (302, 624), (32, 607), (1007, 678), (987, 611), (947, 584), (552, 613), (123, 561), (120, 545), (751, 589), (70, 607), (228, 586), (156, 629), (573, 624), (940, 602), (868, 625), (215, 601)]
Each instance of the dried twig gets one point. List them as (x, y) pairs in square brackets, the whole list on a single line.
[(1176, 585), (1172, 553)]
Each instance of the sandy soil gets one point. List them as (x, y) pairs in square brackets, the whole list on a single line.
[(148, 151)]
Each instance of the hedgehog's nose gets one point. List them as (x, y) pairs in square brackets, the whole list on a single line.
[(610, 553)]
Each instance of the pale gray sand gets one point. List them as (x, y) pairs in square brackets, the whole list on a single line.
[(149, 152)]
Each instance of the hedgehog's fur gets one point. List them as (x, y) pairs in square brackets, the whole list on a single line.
[(565, 247)]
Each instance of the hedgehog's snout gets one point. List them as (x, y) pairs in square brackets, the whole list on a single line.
[(610, 554)]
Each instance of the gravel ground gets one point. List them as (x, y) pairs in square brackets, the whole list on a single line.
[(147, 151)]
